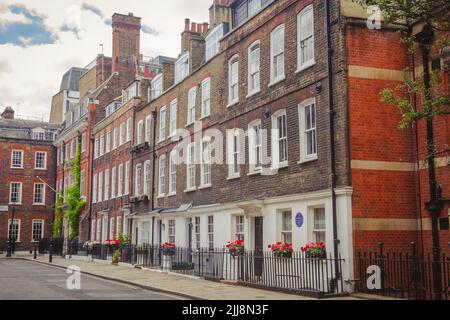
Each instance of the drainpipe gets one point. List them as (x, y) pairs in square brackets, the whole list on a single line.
[(63, 182), (332, 142), (91, 182), (152, 192)]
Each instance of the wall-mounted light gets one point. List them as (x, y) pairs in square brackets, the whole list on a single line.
[(318, 87), (266, 112)]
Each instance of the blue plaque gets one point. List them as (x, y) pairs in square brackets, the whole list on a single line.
[(299, 219)]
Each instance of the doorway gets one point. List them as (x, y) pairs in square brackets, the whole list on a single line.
[(259, 246)]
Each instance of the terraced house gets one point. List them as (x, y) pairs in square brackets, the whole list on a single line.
[(267, 127)]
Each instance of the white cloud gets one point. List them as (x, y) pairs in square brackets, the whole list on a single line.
[(32, 75)]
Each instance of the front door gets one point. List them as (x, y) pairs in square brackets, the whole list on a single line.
[(259, 246)]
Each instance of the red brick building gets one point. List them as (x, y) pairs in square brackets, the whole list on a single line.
[(27, 180)]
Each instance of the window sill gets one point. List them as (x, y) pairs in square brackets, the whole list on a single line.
[(206, 186), (309, 159), (15, 204), (21, 168), (40, 168), (280, 166), (190, 190), (254, 173), (173, 194), (205, 117), (306, 66), (232, 103), (189, 125), (233, 177), (275, 81), (251, 94), (161, 196), (39, 204)]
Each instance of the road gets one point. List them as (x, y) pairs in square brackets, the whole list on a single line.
[(27, 280)]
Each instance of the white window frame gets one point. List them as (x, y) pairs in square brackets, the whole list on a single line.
[(231, 82), (94, 189), (275, 79), (255, 147), (304, 156), (115, 140), (190, 167), (138, 180), (161, 176), (211, 232), (173, 110), (285, 233), (21, 159), (42, 202), (122, 134), (156, 88), (112, 227), (212, 42), (172, 173), (206, 164), (171, 231), (120, 180), (113, 182), (147, 186), (140, 132), (108, 142), (100, 186), (276, 140), (107, 185), (118, 225), (44, 167), (206, 98), (312, 225), (129, 128), (33, 222), (162, 124), (82, 183), (126, 187), (96, 149), (102, 146), (192, 97), (301, 37), (197, 232), (182, 62), (252, 48), (83, 142), (254, 10), (239, 227), (148, 126), (10, 221), (234, 146), (20, 193)]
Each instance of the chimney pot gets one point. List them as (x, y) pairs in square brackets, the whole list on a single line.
[(8, 113), (205, 27), (187, 22), (193, 27)]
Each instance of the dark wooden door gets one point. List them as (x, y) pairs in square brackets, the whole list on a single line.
[(259, 246)]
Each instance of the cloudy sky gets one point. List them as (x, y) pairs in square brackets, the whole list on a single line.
[(41, 39)]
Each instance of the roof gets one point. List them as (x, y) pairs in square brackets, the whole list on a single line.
[(71, 79), (21, 129)]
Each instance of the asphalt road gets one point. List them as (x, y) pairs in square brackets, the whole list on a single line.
[(26, 280)]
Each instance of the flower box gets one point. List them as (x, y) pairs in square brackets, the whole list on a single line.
[(315, 250), (281, 250), (236, 248), (168, 249)]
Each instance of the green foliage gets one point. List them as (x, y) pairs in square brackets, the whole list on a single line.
[(57, 225), (124, 239), (435, 16)]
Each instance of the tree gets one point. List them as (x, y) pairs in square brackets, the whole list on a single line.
[(434, 18)]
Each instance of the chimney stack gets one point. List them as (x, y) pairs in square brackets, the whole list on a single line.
[(219, 13), (126, 42), (8, 113)]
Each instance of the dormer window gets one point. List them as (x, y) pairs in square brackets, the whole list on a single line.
[(156, 88), (212, 41), (182, 67), (131, 92), (38, 134), (112, 107)]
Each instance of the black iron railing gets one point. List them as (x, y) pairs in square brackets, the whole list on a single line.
[(297, 273), (402, 275)]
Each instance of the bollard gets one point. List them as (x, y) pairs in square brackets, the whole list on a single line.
[(35, 252), (8, 250), (50, 254)]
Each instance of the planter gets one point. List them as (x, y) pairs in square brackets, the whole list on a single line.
[(283, 255), (181, 266), (237, 253), (115, 263), (168, 253), (322, 255)]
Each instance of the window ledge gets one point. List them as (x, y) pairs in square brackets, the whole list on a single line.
[(232, 103), (205, 116), (189, 124), (40, 169), (190, 190), (39, 204), (306, 66), (173, 194), (280, 166), (309, 159), (161, 196), (20, 168), (254, 173), (251, 94), (15, 204), (206, 186), (275, 81), (233, 177)]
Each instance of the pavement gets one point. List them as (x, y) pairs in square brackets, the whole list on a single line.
[(169, 283), (28, 280)]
